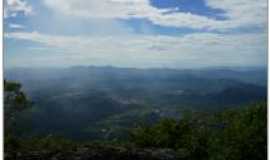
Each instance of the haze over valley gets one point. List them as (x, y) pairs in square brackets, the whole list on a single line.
[(104, 101)]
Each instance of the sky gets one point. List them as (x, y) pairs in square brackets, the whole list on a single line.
[(135, 33)]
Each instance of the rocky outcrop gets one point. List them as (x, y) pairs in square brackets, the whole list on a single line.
[(97, 153)]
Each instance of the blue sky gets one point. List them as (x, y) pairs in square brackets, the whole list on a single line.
[(135, 33)]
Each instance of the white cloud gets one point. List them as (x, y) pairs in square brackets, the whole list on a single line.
[(13, 7), (16, 26), (193, 50), (240, 13)]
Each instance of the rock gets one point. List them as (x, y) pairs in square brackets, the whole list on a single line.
[(54, 158), (101, 152)]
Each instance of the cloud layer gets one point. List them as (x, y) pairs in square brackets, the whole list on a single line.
[(240, 13), (195, 50), (16, 26), (88, 32), (13, 7)]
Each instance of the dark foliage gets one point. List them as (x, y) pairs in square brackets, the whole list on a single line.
[(239, 134), (15, 101)]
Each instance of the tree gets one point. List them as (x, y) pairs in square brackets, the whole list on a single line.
[(235, 134), (15, 101), (244, 136)]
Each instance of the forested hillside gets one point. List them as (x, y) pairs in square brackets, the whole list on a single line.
[(105, 102), (232, 133)]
